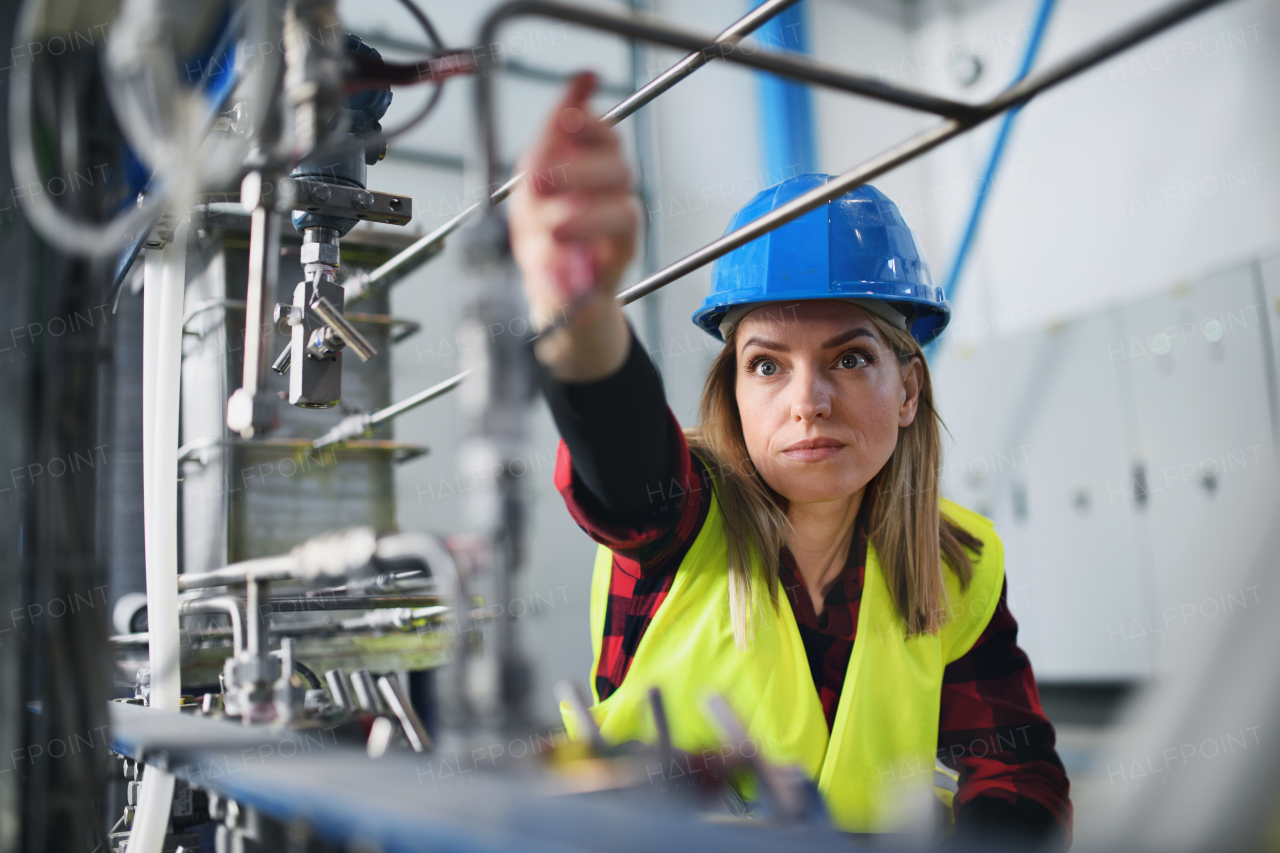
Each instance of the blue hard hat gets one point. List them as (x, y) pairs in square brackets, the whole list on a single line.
[(856, 246)]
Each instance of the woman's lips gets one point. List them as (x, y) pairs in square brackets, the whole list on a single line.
[(814, 449)]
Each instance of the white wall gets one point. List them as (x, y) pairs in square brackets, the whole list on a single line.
[(1150, 168)]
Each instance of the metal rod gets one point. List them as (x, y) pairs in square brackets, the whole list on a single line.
[(394, 697), (691, 63), (257, 635), (413, 402), (790, 65), (1126, 37), (354, 426), (323, 603), (365, 690), (337, 681), (262, 569), (915, 146), (428, 246), (264, 261)]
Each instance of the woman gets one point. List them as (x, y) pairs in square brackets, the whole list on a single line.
[(792, 552)]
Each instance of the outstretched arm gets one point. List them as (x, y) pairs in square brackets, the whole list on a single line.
[(573, 232)]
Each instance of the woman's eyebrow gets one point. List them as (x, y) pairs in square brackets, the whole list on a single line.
[(845, 337), (767, 344)]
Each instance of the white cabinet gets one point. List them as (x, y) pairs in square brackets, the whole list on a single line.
[(1201, 373), (1056, 491), (1127, 459)]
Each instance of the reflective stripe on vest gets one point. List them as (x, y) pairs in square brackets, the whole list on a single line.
[(877, 765)]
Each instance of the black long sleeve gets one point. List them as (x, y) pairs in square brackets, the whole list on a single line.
[(993, 823), (617, 430)]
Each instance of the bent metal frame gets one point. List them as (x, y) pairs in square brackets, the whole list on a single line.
[(733, 46)]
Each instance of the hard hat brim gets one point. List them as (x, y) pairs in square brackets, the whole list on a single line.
[(925, 303)]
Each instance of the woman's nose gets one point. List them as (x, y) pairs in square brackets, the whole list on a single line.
[(810, 396)]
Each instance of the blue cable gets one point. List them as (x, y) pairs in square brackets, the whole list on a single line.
[(997, 150)]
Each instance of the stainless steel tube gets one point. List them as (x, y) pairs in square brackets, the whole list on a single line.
[(431, 244), (730, 50), (262, 569), (919, 144)]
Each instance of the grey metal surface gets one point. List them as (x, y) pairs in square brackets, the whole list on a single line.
[(465, 796)]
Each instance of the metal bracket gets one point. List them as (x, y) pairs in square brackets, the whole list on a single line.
[(345, 202)]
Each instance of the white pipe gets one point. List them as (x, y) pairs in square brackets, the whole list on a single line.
[(165, 282), (151, 818)]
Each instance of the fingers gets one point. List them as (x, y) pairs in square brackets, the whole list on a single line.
[(574, 222), (610, 217), (576, 150), (588, 171)]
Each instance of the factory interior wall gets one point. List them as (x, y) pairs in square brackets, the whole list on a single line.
[(1099, 175)]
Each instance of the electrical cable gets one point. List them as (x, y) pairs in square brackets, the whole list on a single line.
[(62, 231), (307, 673), (174, 179), (361, 140), (433, 37)]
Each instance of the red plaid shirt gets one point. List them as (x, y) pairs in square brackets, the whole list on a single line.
[(991, 728)]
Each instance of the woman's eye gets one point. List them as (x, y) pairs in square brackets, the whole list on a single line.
[(766, 368), (852, 360)]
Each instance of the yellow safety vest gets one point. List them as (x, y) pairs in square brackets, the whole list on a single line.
[(878, 761)]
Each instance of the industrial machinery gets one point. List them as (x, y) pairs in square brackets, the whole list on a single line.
[(285, 625)]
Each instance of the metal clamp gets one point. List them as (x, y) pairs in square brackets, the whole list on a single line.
[(346, 202)]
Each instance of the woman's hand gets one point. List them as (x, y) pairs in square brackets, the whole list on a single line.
[(573, 232)]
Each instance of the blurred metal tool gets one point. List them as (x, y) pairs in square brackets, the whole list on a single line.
[(337, 681), (366, 691), (361, 424), (251, 410), (399, 704), (493, 424), (380, 734), (570, 692), (660, 725), (784, 792)]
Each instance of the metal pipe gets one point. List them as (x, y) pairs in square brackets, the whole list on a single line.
[(245, 413), (695, 60), (915, 146), (257, 634), (366, 691), (394, 697), (730, 50), (430, 245), (262, 569), (225, 604), (325, 603), (354, 426), (337, 681)]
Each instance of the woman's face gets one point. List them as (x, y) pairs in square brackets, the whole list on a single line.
[(822, 396)]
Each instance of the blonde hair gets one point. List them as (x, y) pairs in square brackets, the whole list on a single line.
[(911, 538)]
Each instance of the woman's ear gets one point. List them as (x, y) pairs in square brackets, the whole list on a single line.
[(912, 379)]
